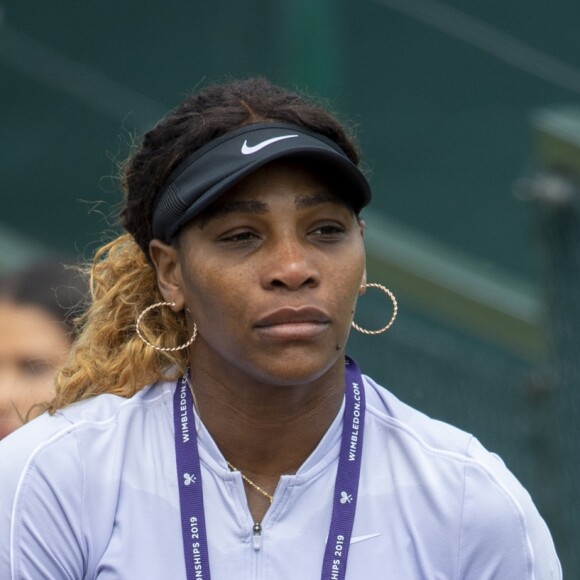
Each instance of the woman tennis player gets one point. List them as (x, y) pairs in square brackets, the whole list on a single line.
[(208, 423)]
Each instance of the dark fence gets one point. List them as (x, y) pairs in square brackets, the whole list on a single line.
[(482, 351)]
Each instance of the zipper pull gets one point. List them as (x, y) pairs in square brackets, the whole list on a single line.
[(257, 536)]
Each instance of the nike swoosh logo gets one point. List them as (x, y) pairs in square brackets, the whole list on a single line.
[(248, 150), (357, 539)]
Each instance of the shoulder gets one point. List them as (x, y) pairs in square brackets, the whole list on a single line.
[(86, 417), (50, 466), (412, 425), (495, 509), (104, 416)]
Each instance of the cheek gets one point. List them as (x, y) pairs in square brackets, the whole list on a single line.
[(351, 276), (24, 392), (350, 284), (218, 299), (209, 287), (37, 386), (33, 395)]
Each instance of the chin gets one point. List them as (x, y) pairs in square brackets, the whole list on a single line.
[(295, 367)]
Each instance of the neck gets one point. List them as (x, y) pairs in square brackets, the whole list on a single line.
[(265, 430)]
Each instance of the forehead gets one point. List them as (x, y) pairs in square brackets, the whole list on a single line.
[(30, 330)]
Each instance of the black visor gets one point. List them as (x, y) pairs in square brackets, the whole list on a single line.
[(209, 172)]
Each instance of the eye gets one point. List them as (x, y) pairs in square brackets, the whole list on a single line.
[(329, 232), (36, 367), (239, 237)]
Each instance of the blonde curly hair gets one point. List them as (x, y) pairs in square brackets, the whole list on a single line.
[(109, 356)]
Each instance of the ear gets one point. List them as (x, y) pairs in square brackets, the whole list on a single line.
[(169, 280), (362, 227), (363, 284), (362, 224)]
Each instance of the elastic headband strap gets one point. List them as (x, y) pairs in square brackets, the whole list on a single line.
[(209, 172)]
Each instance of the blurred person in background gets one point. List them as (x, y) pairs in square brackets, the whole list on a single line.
[(38, 305)]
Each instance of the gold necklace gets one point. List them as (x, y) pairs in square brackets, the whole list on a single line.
[(244, 477), (250, 482)]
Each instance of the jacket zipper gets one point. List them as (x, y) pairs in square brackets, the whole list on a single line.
[(257, 536)]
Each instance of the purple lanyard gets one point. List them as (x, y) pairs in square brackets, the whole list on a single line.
[(345, 488)]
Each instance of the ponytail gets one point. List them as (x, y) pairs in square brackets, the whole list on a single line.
[(108, 355)]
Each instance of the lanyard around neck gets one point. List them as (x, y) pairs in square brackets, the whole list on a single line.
[(193, 526)]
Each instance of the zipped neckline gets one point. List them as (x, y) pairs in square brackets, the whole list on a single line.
[(257, 536)]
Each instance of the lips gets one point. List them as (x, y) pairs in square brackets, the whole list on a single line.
[(294, 323), (293, 316)]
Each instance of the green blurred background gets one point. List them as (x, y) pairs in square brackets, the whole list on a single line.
[(446, 98)]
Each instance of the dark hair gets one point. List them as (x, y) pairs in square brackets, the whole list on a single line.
[(59, 290), (203, 117)]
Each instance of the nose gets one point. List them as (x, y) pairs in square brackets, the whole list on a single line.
[(291, 265)]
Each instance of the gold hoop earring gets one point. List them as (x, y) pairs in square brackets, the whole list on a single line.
[(171, 349), (393, 316)]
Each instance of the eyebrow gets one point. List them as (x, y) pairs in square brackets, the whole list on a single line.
[(259, 207), (229, 207), (306, 201)]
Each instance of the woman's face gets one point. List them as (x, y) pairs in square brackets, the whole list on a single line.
[(32, 346), (270, 274)]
